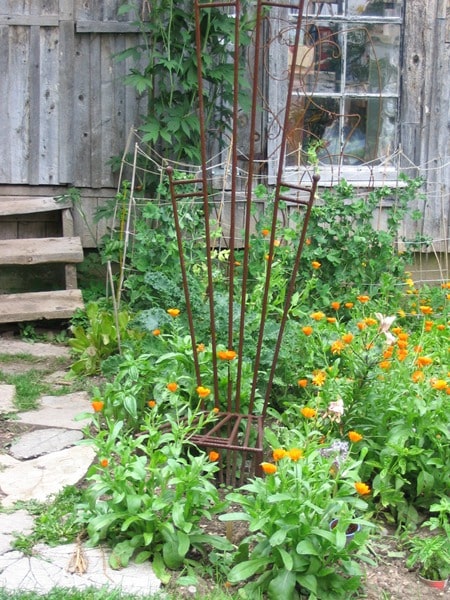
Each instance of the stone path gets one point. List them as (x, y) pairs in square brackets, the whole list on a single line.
[(40, 464)]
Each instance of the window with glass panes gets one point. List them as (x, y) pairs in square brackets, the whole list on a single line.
[(344, 104)]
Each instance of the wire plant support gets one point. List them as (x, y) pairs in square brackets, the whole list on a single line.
[(238, 433)]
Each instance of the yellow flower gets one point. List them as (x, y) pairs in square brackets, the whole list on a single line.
[(370, 321), (172, 386), (335, 305), (424, 361), (302, 383), (203, 392), (354, 436), (418, 376), (265, 232), (348, 305), (278, 454), (97, 405), (156, 332), (337, 347), (385, 365), (151, 403), (362, 488), (213, 456), (316, 264), (347, 338), (173, 312), (438, 384), (363, 298), (295, 454), (307, 412), (319, 377), (200, 347), (317, 316), (268, 468), (426, 310), (307, 330)]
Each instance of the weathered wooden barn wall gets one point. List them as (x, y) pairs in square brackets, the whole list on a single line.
[(425, 115), (65, 110)]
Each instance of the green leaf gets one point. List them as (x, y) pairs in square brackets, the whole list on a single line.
[(309, 582), (248, 568), (160, 569), (306, 547), (286, 558), (282, 586), (278, 537)]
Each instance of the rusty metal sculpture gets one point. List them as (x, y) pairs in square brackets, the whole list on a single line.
[(238, 434)]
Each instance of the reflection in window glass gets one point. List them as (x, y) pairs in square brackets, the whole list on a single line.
[(346, 85)]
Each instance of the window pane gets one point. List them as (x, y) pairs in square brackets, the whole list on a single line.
[(349, 132), (375, 8), (372, 59)]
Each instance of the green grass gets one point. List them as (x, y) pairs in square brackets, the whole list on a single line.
[(104, 594)]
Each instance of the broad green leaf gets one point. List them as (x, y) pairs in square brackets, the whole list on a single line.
[(278, 537), (282, 586), (309, 582), (306, 547), (247, 568), (160, 569)]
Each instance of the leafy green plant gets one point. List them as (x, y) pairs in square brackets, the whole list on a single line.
[(432, 555), (292, 547), (149, 492), (99, 337)]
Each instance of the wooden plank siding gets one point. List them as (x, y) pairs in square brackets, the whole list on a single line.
[(64, 113)]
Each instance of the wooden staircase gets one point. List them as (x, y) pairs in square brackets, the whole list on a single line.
[(31, 306)]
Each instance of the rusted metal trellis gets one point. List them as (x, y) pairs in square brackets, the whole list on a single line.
[(238, 434)]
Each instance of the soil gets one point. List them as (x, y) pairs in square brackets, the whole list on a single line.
[(389, 579)]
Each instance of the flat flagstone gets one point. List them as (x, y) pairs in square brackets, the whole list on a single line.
[(39, 478), (59, 411), (39, 349), (43, 441), (49, 568), (10, 523), (7, 395)]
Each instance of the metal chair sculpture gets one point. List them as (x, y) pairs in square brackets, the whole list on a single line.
[(237, 434)]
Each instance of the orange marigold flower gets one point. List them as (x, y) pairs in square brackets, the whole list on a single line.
[(402, 344), (361, 326), (278, 454), (213, 456), (200, 347), (316, 264), (173, 312), (172, 386), (276, 243), (151, 403), (104, 462), (428, 325), (388, 352), (397, 331), (337, 347), (265, 232), (268, 468), (424, 361), (215, 409), (97, 405), (426, 310), (237, 263), (307, 329), (203, 392), (156, 332), (347, 338), (362, 488), (402, 354), (370, 321), (317, 316), (354, 436), (307, 412), (349, 305), (335, 305), (385, 365), (438, 384), (441, 327), (308, 241), (226, 354), (295, 454), (319, 377), (418, 376), (418, 349), (331, 319), (302, 383), (363, 298)]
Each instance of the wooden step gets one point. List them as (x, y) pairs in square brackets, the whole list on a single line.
[(34, 251), (34, 306), (24, 205)]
